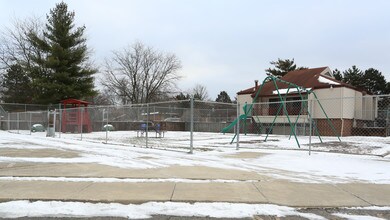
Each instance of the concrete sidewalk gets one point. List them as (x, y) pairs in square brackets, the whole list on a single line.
[(273, 192), (98, 170), (176, 183)]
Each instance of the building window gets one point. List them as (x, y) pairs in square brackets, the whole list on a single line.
[(274, 105), (293, 106)]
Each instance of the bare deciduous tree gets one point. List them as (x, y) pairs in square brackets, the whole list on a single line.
[(139, 74), (200, 92), (104, 98), (15, 47), (15, 52)]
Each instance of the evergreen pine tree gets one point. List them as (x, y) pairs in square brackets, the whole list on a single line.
[(182, 96), (354, 76), (387, 91), (62, 69), (282, 67), (16, 86), (374, 81), (337, 75), (223, 97)]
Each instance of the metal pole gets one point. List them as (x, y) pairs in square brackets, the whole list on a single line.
[(310, 115), (60, 115), (54, 122), (17, 121), (106, 125), (147, 124), (29, 125), (81, 122), (9, 121), (238, 127), (191, 125)]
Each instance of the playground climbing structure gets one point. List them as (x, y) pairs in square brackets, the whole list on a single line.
[(282, 94)]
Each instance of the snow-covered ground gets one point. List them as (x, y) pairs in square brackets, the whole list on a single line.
[(213, 150), (77, 209), (204, 141), (355, 159)]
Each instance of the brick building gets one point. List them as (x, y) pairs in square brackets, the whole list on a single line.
[(345, 105)]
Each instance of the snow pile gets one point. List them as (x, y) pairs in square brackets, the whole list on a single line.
[(16, 209), (357, 217), (322, 79)]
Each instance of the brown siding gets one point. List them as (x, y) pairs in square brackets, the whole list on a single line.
[(326, 130), (374, 131), (128, 126)]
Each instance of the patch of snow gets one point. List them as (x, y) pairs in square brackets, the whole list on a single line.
[(322, 79), (291, 90), (379, 208), (321, 167), (357, 217), (16, 209), (120, 180)]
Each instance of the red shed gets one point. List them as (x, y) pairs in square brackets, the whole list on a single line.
[(75, 113)]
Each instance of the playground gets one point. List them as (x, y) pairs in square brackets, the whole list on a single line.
[(305, 106), (275, 158)]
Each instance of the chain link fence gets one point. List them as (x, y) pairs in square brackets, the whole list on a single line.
[(21, 117), (182, 125), (358, 116)]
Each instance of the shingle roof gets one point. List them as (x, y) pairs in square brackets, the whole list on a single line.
[(247, 91), (307, 78), (74, 101)]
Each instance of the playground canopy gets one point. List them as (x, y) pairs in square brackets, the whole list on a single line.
[(75, 116)]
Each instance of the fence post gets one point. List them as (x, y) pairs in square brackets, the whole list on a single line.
[(147, 125), (310, 115), (191, 125), (8, 122), (154, 113), (60, 125), (238, 127), (17, 121), (81, 122), (29, 123), (106, 125)]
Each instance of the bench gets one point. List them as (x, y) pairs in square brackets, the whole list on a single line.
[(151, 127)]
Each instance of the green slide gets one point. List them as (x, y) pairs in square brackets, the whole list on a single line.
[(226, 129)]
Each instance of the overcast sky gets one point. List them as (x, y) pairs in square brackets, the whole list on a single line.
[(227, 44)]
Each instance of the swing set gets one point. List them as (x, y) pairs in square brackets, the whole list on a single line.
[(247, 109)]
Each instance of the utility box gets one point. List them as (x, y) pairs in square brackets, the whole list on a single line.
[(51, 123)]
